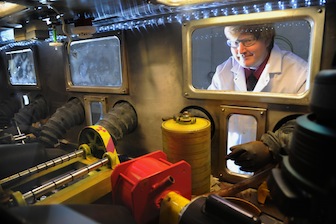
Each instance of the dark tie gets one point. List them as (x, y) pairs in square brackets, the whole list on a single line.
[(251, 81)]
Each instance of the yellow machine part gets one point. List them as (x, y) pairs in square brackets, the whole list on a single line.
[(190, 140), (99, 140), (171, 207), (94, 184), (88, 190), (97, 183), (178, 127)]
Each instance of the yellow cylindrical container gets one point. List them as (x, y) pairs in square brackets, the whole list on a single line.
[(189, 138)]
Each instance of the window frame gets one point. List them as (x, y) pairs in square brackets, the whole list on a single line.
[(33, 49), (260, 114), (122, 89), (314, 15)]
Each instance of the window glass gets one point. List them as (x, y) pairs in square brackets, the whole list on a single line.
[(241, 129), (96, 111), (96, 62), (6, 35), (21, 67), (210, 49), (25, 99)]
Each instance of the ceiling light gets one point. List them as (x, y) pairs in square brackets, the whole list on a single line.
[(176, 3), (9, 8)]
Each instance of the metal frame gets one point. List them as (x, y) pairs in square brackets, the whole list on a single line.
[(123, 89), (87, 106), (314, 15), (33, 48), (260, 114)]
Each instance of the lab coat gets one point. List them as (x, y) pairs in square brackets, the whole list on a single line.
[(284, 72)]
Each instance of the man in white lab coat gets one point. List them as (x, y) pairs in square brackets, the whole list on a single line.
[(258, 65), (254, 54)]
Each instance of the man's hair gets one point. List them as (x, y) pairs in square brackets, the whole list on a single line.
[(260, 31)]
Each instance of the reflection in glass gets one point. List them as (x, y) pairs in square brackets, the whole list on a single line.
[(96, 62), (21, 67), (210, 49), (241, 129), (96, 109)]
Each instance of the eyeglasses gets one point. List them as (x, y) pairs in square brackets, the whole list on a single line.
[(246, 42)]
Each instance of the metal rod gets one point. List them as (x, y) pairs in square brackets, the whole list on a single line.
[(58, 182), (19, 131), (43, 166)]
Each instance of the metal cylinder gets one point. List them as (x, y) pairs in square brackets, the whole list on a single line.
[(189, 139)]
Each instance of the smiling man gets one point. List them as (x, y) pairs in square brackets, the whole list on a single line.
[(257, 64)]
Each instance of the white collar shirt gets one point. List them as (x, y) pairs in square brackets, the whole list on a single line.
[(284, 72)]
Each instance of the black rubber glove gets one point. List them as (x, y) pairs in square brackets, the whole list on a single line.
[(250, 156)]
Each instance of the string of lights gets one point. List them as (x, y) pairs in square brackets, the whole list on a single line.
[(147, 15), (152, 16)]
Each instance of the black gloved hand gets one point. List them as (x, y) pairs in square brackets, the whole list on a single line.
[(250, 156)]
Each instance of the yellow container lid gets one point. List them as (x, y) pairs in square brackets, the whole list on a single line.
[(176, 126)]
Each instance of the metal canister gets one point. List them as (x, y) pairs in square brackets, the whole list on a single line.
[(189, 138)]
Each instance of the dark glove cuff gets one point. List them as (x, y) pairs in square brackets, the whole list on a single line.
[(270, 139)]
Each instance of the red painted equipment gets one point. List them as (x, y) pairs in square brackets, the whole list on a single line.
[(140, 184)]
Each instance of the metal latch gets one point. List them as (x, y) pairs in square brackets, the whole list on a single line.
[(185, 118)]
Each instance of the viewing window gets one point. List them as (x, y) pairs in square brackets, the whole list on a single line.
[(238, 125), (231, 43), (96, 65), (25, 99), (95, 108), (210, 48), (21, 68), (241, 129), (96, 112)]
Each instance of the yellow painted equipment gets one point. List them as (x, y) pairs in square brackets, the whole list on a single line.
[(189, 138), (171, 208), (75, 178)]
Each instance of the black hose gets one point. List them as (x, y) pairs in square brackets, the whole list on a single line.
[(22, 121), (8, 108), (33, 112), (65, 117), (119, 121)]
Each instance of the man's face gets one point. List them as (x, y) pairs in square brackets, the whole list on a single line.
[(247, 55)]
